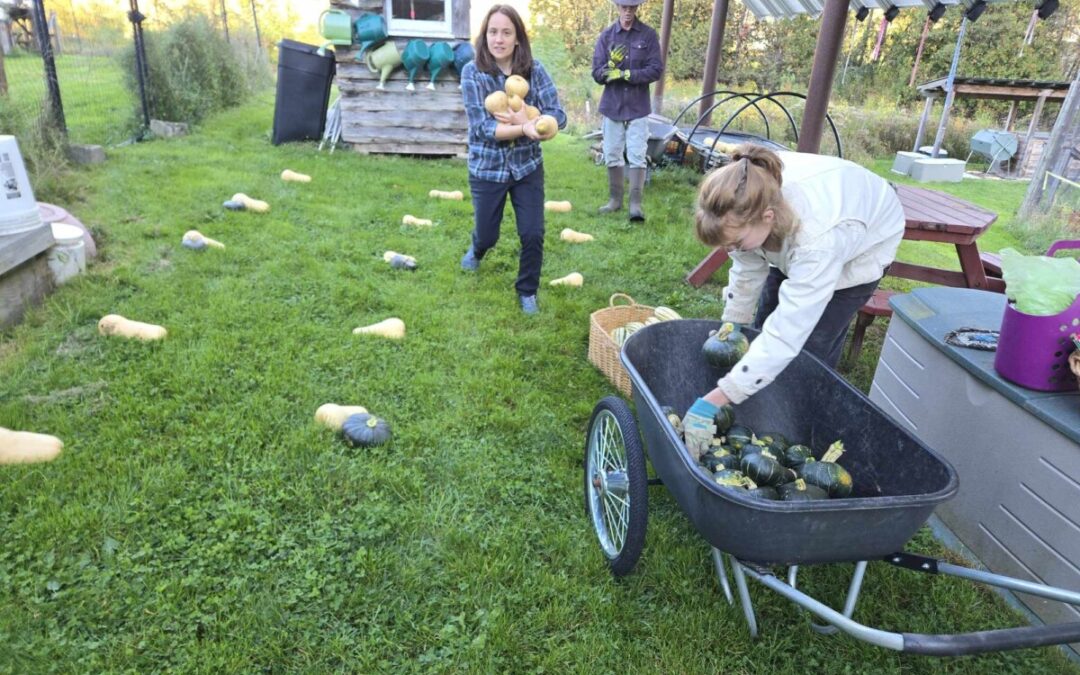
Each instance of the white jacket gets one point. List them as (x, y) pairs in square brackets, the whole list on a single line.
[(850, 223)]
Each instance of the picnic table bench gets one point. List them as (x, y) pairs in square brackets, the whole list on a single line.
[(929, 216)]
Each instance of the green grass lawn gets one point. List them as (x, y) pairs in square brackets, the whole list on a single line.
[(98, 108), (200, 521)]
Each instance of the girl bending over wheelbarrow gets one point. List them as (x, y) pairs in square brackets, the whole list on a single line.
[(810, 238)]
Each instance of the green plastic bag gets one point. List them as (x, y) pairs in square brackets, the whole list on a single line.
[(1040, 285)]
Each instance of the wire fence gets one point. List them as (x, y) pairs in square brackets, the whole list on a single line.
[(91, 89)]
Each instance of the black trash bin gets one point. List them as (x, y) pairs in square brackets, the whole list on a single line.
[(303, 91)]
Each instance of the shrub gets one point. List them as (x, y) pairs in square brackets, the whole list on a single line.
[(193, 71)]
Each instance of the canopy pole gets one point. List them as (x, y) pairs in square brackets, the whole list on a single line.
[(918, 52), (826, 54), (665, 43), (922, 123), (712, 58), (949, 90)]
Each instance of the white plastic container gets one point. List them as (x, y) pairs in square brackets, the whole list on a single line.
[(67, 257), (18, 209)]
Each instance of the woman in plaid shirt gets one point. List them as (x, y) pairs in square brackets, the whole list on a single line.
[(504, 148)]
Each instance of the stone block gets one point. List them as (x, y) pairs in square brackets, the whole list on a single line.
[(163, 129), (929, 170), (86, 154)]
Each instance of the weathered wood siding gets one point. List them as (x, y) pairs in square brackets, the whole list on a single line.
[(459, 19), (396, 120)]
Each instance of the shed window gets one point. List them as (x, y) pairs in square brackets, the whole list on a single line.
[(419, 17)]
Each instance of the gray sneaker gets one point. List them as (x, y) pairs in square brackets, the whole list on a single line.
[(469, 262), (528, 304)]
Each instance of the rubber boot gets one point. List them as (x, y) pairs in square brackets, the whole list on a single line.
[(615, 190), (637, 184)]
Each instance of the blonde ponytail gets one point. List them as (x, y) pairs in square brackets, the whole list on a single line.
[(738, 194)]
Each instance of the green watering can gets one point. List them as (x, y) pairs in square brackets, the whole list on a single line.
[(370, 31), (383, 60), (414, 58), (442, 55), (336, 26)]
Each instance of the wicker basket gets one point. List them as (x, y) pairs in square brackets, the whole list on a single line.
[(603, 352)]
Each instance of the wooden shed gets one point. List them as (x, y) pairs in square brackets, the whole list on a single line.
[(394, 119)]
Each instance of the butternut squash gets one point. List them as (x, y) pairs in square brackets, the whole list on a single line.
[(249, 204), (574, 237), (517, 85), (27, 447), (572, 279), (561, 207), (334, 415), (442, 194), (497, 102), (408, 219), (194, 239), (400, 261), (292, 176), (392, 328), (114, 324)]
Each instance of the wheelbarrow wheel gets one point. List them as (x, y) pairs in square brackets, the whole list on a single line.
[(616, 484)]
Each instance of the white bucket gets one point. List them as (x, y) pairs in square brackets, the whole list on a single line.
[(18, 209), (67, 257)]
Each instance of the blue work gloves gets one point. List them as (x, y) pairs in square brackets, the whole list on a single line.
[(699, 428)]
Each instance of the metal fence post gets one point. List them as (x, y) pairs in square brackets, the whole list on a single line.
[(141, 72), (52, 83)]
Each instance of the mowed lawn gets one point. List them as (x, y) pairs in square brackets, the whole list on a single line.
[(199, 520)]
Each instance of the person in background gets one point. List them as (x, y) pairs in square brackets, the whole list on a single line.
[(810, 238), (504, 149), (626, 60)]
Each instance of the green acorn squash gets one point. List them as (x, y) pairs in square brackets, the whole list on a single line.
[(725, 347), (723, 419), (828, 476), (795, 455), (765, 492), (365, 430), (799, 491)]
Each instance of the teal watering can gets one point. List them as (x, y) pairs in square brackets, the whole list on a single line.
[(383, 60), (414, 57), (441, 55), (336, 26), (370, 31), (463, 53)]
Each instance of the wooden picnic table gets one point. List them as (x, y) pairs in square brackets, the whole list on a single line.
[(929, 216)]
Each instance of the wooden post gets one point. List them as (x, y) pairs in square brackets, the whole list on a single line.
[(1054, 146), (826, 51), (1011, 119), (1036, 117), (944, 123), (922, 122), (665, 44), (918, 52), (712, 56), (3, 76)]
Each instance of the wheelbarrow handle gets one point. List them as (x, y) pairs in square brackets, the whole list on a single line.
[(980, 642)]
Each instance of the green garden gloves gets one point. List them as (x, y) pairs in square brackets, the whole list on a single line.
[(616, 74), (616, 56)]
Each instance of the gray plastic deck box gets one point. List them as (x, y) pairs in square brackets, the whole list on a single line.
[(1016, 451), (904, 160), (929, 170)]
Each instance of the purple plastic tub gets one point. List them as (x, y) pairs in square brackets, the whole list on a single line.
[(1033, 351)]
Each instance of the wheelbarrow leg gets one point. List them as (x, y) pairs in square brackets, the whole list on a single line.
[(849, 604), (744, 597), (721, 571)]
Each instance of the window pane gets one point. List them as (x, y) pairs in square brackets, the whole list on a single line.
[(418, 10)]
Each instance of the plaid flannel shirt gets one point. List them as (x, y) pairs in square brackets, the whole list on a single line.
[(501, 161)]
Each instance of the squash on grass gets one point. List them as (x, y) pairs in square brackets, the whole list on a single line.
[(725, 347), (114, 324), (572, 279), (393, 328), (365, 430), (27, 447), (334, 415)]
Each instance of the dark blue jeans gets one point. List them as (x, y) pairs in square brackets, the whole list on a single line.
[(527, 196), (827, 340)]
